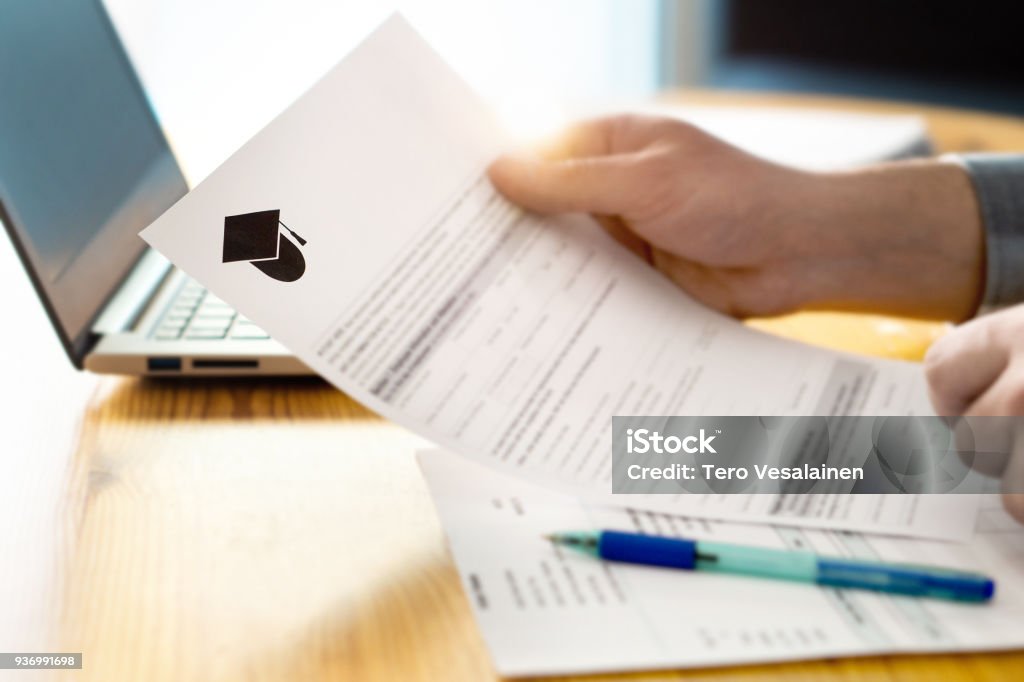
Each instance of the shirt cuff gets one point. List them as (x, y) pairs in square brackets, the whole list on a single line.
[(998, 181)]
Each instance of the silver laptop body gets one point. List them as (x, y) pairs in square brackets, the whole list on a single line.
[(84, 166)]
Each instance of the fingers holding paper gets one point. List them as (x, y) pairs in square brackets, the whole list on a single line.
[(978, 370), (655, 184), (750, 237)]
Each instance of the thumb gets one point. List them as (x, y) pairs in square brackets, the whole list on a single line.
[(962, 365), (598, 184)]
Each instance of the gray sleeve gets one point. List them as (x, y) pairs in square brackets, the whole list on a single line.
[(999, 185)]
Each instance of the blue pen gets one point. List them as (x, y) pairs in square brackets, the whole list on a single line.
[(917, 581)]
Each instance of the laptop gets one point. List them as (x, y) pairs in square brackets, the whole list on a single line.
[(84, 166)]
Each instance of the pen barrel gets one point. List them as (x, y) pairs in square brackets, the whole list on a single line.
[(917, 581), (762, 562), (651, 550)]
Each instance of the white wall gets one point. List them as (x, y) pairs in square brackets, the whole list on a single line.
[(217, 70)]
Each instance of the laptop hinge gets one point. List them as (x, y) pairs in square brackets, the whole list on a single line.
[(127, 305)]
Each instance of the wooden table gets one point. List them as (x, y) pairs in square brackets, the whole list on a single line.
[(276, 530)]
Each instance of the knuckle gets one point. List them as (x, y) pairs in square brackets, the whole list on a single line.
[(946, 351), (1004, 327), (675, 127), (636, 131), (620, 131)]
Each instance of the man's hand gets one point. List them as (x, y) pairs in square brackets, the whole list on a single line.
[(749, 237), (978, 370)]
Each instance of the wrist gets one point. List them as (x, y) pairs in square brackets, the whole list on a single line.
[(902, 238)]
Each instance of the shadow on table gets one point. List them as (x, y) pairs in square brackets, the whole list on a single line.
[(234, 398)]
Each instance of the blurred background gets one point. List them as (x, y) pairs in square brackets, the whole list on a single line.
[(218, 70)]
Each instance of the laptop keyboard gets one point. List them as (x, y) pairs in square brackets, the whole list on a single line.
[(196, 314)]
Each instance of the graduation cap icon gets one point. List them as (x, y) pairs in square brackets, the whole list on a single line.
[(260, 239)]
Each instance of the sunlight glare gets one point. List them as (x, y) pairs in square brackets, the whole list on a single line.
[(531, 118)]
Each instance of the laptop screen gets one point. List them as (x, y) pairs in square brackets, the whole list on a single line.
[(83, 163)]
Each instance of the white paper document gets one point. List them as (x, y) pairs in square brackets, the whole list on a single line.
[(359, 229), (545, 610)]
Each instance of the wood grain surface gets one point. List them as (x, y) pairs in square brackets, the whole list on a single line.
[(276, 530)]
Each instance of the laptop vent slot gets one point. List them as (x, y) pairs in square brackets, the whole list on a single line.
[(225, 364)]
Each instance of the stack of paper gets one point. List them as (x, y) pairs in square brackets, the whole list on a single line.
[(545, 610), (504, 337)]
